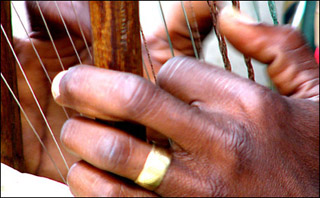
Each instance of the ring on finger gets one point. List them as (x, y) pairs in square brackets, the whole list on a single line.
[(154, 169)]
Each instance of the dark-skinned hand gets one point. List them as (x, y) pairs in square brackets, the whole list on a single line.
[(230, 136)]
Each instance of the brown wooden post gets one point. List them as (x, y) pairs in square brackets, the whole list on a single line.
[(116, 43), (116, 35), (11, 137)]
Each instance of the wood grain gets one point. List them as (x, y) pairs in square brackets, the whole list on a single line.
[(116, 35), (11, 137), (117, 45)]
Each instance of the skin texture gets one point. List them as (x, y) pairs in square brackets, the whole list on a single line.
[(230, 136), (37, 161)]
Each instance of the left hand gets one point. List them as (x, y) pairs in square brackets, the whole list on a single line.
[(36, 160)]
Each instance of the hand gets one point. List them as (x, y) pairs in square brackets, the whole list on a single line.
[(37, 161), (157, 41), (230, 136)]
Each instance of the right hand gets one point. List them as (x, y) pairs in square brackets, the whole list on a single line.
[(230, 136)]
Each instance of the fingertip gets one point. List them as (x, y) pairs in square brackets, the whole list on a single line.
[(231, 14), (55, 87)]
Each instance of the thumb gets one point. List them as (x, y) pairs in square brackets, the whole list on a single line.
[(292, 67)]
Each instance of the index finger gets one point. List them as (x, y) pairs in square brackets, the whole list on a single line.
[(109, 94)]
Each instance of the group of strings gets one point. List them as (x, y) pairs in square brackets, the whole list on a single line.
[(194, 37)]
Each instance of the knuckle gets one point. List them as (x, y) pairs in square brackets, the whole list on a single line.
[(67, 130), (257, 99), (170, 70), (290, 38), (135, 96), (114, 152), (261, 105)]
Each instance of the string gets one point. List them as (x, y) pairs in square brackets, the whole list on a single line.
[(36, 52), (148, 54), (32, 127), (66, 28), (273, 12), (54, 46), (166, 28), (34, 49), (190, 32), (145, 68), (247, 59), (84, 38), (35, 98), (195, 29), (222, 44), (169, 40)]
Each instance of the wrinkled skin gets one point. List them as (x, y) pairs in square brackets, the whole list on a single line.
[(230, 136)]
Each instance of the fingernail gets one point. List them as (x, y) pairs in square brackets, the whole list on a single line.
[(55, 90), (236, 15)]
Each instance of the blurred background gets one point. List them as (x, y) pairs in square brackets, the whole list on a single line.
[(150, 17)]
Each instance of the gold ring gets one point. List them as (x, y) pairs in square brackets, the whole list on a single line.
[(154, 169)]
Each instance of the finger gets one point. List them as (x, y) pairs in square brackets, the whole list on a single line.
[(86, 180), (292, 67), (105, 147), (206, 86), (105, 93), (117, 152)]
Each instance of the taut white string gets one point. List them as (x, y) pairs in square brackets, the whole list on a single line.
[(36, 52), (84, 38), (66, 28), (32, 127), (35, 98), (54, 46)]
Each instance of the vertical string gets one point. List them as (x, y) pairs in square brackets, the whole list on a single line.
[(148, 54), (35, 98), (145, 69), (195, 29), (66, 28), (54, 46), (247, 59), (273, 12), (33, 129), (36, 52), (222, 44), (167, 31), (83, 37), (190, 32), (32, 44)]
